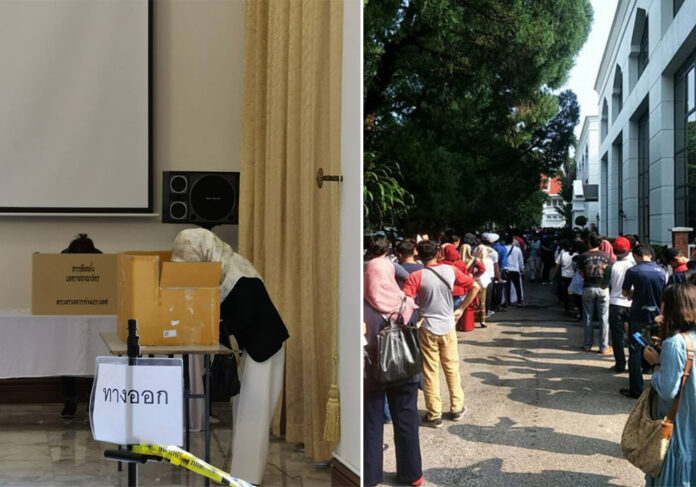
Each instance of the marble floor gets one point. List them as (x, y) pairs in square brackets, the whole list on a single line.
[(39, 448)]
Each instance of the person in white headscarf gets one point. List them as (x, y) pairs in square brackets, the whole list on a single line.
[(247, 313)]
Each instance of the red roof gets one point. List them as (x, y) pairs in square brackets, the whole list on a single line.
[(552, 189)]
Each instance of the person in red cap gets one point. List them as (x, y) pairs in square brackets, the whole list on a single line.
[(619, 305)]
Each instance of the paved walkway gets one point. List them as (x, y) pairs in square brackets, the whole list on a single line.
[(541, 412)]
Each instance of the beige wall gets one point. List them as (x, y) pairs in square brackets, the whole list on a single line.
[(197, 89)]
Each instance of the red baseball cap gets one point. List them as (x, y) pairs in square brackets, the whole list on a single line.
[(622, 246)]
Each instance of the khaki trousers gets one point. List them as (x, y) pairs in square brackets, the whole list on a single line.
[(436, 349)]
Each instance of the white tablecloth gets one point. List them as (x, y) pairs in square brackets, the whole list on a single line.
[(41, 346)]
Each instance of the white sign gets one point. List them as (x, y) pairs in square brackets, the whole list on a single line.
[(137, 404)]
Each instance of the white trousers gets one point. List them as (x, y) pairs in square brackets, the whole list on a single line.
[(252, 414)]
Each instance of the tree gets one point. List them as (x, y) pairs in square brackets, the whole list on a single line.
[(581, 220), (460, 95)]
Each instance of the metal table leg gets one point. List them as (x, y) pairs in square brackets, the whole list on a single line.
[(187, 394), (206, 363)]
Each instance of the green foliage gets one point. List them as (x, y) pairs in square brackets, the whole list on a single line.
[(460, 94), (384, 199), (581, 220)]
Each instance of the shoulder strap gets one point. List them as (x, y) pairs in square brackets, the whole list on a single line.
[(441, 278), (687, 370), (510, 250)]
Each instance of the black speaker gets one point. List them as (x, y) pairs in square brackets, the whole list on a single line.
[(204, 198)]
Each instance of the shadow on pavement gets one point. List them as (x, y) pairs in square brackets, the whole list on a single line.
[(560, 386), (535, 438), (489, 472)]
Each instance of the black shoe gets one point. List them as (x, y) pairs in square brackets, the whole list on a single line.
[(625, 391), (431, 423), (483, 325), (617, 370), (69, 409), (457, 415)]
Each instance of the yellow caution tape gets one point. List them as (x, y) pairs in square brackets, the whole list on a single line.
[(177, 456)]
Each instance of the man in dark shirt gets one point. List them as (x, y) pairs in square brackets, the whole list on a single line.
[(406, 252), (643, 284), (591, 265)]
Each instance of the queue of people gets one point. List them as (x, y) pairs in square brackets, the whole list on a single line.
[(439, 284)]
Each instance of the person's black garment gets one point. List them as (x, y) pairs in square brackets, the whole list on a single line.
[(224, 377), (403, 405), (497, 295), (489, 296), (249, 314), (563, 283), (547, 264), (618, 315), (578, 304), (69, 388), (636, 362), (513, 279)]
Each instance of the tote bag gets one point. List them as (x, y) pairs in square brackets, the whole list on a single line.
[(645, 440), (398, 350)]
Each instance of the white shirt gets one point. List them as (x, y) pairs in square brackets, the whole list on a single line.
[(618, 272), (565, 259), (515, 260)]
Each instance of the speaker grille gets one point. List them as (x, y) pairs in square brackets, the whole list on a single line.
[(178, 184), (212, 198), (178, 210)]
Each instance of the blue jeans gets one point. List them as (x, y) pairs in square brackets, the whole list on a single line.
[(596, 297)]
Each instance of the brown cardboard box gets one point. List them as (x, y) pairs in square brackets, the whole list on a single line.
[(73, 284), (175, 303)]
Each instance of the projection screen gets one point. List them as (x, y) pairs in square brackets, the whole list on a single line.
[(75, 105)]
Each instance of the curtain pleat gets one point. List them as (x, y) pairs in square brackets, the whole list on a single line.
[(288, 226)]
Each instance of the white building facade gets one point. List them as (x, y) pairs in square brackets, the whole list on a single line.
[(552, 213), (587, 174), (647, 104)]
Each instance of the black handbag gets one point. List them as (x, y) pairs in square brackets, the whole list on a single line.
[(398, 350)]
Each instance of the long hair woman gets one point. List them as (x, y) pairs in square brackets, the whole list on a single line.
[(679, 328), (382, 297)]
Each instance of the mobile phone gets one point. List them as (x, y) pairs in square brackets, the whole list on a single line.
[(639, 338)]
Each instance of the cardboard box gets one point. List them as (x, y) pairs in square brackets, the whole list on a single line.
[(73, 284), (175, 303)]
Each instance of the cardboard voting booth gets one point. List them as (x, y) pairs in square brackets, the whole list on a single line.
[(73, 284), (175, 303)]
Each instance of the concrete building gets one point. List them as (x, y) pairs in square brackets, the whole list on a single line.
[(587, 174), (552, 215), (647, 100)]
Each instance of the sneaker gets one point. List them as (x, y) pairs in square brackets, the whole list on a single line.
[(489, 314), (431, 423), (418, 481), (69, 409), (608, 351), (457, 415)]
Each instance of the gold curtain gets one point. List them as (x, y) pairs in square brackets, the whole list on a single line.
[(288, 227)]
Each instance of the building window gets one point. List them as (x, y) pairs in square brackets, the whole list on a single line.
[(677, 6), (604, 129), (643, 179), (618, 160), (643, 57), (604, 192), (617, 94), (685, 145)]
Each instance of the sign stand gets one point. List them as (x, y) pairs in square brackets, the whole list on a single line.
[(128, 456)]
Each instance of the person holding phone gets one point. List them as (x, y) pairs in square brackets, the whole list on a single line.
[(678, 309)]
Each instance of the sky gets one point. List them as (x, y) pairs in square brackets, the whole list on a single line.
[(582, 77)]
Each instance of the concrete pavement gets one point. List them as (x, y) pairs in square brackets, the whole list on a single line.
[(541, 412)]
